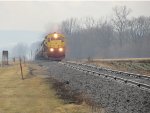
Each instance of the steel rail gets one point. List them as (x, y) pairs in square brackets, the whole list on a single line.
[(115, 71), (75, 66)]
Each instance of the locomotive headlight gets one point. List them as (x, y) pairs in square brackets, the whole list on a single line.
[(55, 35), (60, 49), (51, 49)]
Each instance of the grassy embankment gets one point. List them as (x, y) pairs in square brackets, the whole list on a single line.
[(31, 95), (135, 65)]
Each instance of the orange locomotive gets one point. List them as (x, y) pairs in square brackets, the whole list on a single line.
[(53, 47)]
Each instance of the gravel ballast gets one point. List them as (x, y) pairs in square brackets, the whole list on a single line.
[(114, 96)]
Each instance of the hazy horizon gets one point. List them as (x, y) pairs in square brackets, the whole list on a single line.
[(26, 22)]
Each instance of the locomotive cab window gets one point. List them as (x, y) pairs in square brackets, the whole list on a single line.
[(59, 38)]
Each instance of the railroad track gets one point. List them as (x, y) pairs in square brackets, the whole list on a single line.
[(141, 81)]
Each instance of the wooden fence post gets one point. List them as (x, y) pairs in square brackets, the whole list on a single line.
[(21, 69)]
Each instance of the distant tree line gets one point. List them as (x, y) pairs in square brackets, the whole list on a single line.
[(22, 50), (117, 37)]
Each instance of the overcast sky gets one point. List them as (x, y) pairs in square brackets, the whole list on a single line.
[(35, 16), (28, 21)]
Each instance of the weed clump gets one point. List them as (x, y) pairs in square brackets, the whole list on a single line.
[(64, 92)]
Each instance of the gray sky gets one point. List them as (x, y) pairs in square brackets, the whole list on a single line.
[(28, 21)]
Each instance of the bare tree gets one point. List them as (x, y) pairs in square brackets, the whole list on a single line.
[(120, 21), (34, 49), (69, 26), (20, 50), (120, 18), (139, 27), (120, 37), (89, 23)]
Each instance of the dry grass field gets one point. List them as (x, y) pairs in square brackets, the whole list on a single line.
[(31, 95), (134, 65)]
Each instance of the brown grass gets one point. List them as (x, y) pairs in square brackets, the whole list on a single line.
[(31, 95), (133, 65)]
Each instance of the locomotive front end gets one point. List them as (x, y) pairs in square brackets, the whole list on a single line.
[(55, 46)]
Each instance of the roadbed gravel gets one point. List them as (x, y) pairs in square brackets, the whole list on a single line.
[(113, 96)]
